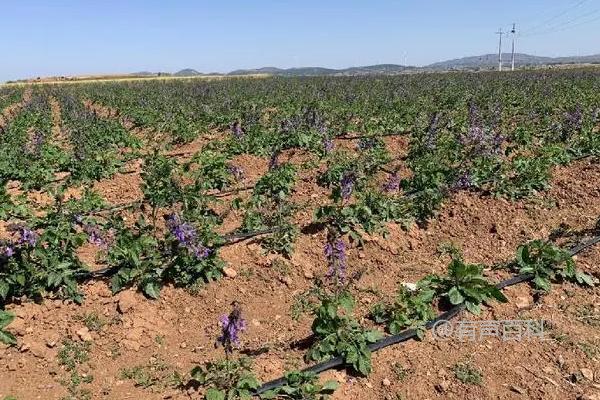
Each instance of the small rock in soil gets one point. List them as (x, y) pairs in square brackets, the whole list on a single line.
[(522, 302), (126, 301), (587, 374), (443, 386), (84, 334), (230, 272)]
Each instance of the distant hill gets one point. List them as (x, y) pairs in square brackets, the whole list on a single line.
[(320, 71), (472, 63), (490, 61), (187, 72)]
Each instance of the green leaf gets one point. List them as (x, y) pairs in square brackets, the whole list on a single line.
[(5, 318), (7, 338), (584, 278), (330, 386), (473, 308), (214, 394), (455, 296), (498, 295), (4, 289), (541, 283), (152, 289), (373, 336)]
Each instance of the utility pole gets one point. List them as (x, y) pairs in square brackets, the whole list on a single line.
[(513, 31), (500, 33)]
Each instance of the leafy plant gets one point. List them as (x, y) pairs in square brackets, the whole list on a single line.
[(464, 284), (411, 309), (225, 380), (337, 333), (548, 263), (302, 386), (466, 373)]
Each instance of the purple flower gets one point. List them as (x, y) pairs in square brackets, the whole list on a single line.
[(187, 236), (347, 185), (199, 251), (336, 259), (393, 183), (78, 218), (96, 235), (236, 129), (183, 232), (327, 145), (7, 250), (26, 236), (480, 141), (231, 327), (236, 171), (35, 143), (274, 161), (431, 137), (573, 121), (463, 182)]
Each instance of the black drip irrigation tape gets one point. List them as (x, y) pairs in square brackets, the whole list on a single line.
[(411, 333), (356, 137)]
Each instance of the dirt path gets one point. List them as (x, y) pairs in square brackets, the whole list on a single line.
[(58, 133)]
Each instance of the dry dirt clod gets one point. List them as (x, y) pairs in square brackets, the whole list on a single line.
[(443, 386), (126, 301), (587, 374), (386, 382), (230, 272), (84, 334)]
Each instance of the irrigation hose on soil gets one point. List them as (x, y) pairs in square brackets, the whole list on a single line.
[(411, 333)]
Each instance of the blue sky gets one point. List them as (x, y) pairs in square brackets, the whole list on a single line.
[(63, 37)]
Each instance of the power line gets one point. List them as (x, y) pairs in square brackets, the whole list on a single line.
[(573, 22), (553, 18)]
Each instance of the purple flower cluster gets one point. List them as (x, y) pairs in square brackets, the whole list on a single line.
[(327, 145), (236, 171), (347, 185), (274, 160), (431, 136), (95, 235), (480, 141), (187, 236), (7, 250), (463, 182), (335, 251), (574, 121), (237, 130), (392, 184), (27, 238), (35, 144), (231, 327)]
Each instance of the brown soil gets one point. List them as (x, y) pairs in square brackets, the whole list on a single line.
[(58, 133), (178, 331)]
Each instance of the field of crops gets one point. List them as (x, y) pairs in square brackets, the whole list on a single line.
[(298, 238)]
